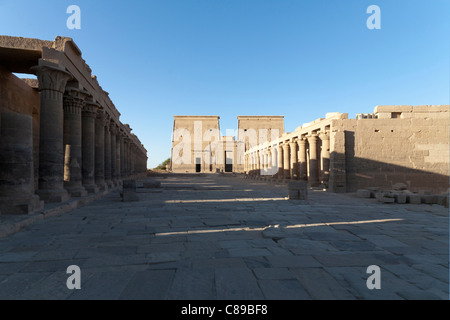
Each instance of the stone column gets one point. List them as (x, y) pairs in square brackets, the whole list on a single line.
[(325, 157), (126, 142), (303, 168), (245, 164), (100, 150), (258, 166), (132, 158), (88, 145), (52, 83), (274, 160), (280, 173), (265, 162), (113, 130), (108, 178), (122, 155), (73, 105), (294, 161), (269, 162), (129, 157), (313, 163), (118, 156), (280, 162), (286, 159), (16, 165)]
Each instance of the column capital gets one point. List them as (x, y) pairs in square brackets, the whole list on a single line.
[(90, 108), (101, 115), (324, 136), (74, 100), (312, 137), (51, 76), (301, 141), (114, 128), (107, 120)]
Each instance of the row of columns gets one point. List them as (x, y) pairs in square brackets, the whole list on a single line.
[(81, 148), (304, 158)]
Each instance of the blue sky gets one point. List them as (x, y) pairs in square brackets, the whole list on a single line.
[(297, 58)]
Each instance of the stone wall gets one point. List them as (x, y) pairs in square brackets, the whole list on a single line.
[(403, 144), (17, 96), (395, 144)]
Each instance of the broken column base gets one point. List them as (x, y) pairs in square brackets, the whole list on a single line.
[(129, 191), (414, 198), (25, 205), (77, 191), (53, 196), (384, 197), (298, 190), (400, 198)]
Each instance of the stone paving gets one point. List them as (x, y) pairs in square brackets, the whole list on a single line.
[(219, 238)]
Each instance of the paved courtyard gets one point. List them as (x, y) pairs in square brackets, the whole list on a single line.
[(215, 238)]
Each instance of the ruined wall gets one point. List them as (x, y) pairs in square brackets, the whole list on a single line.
[(16, 96), (404, 144)]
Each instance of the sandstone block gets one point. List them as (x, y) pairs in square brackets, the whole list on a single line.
[(298, 190), (387, 200), (400, 198), (129, 191), (380, 109), (441, 108), (385, 197), (379, 196), (384, 115), (413, 198), (430, 199), (373, 191)]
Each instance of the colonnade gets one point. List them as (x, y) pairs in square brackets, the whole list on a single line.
[(83, 147), (303, 157)]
